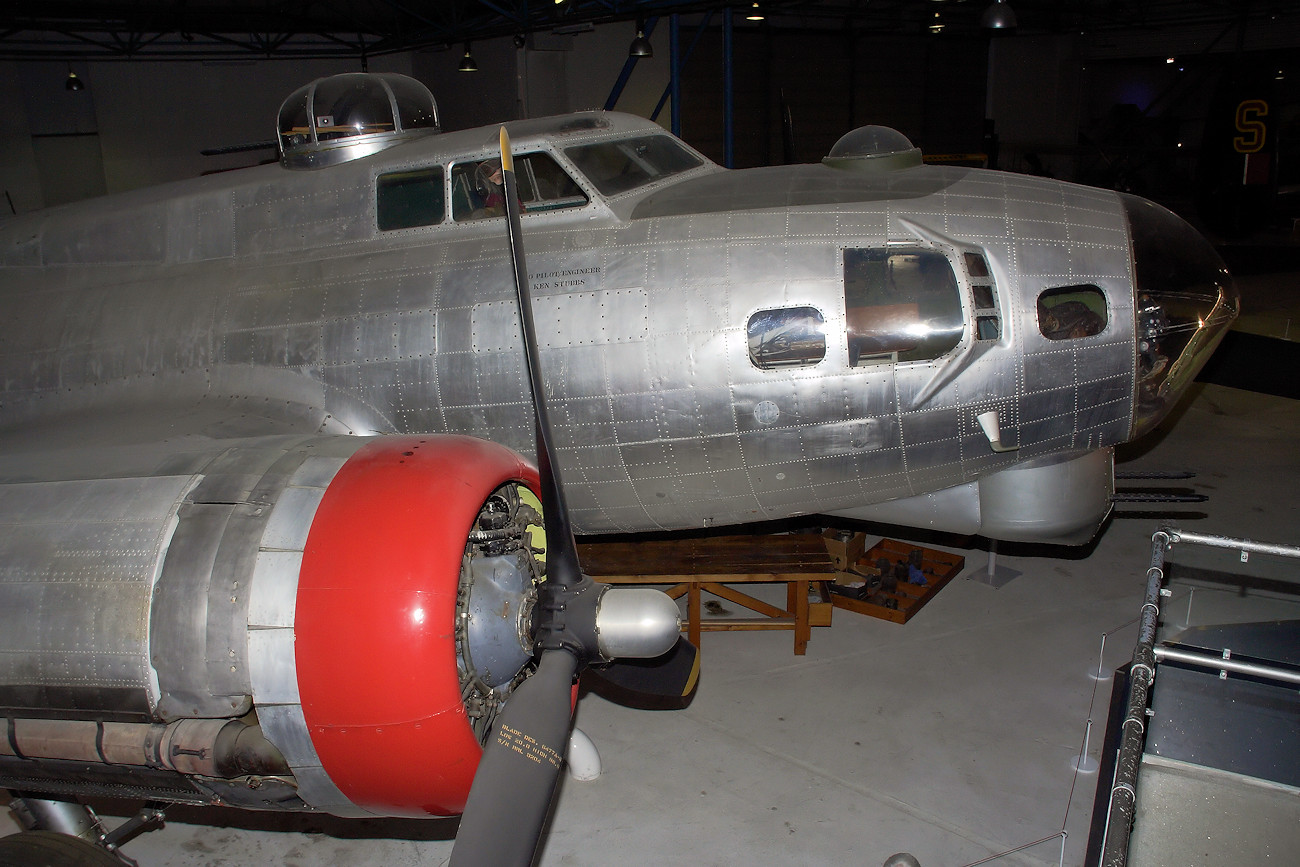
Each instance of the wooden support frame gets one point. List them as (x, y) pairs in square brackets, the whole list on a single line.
[(793, 616), (693, 567)]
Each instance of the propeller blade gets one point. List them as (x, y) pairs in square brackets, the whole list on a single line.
[(516, 777), (515, 781), (562, 558), (664, 682)]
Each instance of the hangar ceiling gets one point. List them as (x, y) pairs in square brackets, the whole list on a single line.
[(203, 29)]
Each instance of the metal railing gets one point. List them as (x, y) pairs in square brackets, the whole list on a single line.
[(1123, 794)]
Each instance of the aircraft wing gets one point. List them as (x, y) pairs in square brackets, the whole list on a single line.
[(100, 513), (95, 444)]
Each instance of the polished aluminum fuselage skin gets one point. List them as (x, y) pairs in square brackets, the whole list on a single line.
[(186, 372), (273, 292)]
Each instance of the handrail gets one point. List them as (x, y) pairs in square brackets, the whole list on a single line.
[(1123, 793), (1250, 545), (1210, 662)]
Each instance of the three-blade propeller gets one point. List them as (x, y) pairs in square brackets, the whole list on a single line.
[(522, 758)]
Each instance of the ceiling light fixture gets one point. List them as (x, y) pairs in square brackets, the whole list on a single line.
[(999, 16), (755, 12), (936, 26), (73, 83), (640, 46), (467, 63)]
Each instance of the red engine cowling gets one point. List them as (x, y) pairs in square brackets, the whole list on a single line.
[(376, 609), (281, 622)]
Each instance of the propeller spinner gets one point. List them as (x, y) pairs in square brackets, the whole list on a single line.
[(577, 622)]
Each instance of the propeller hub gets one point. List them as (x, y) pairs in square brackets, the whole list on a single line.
[(636, 623), (565, 617)]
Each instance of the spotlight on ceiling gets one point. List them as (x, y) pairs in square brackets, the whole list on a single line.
[(640, 46), (936, 25), (467, 63), (755, 12), (999, 16), (73, 83)]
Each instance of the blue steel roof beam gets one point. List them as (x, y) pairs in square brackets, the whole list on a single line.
[(101, 44), (516, 16), (271, 44), (138, 41), (405, 9), (80, 46), (359, 44)]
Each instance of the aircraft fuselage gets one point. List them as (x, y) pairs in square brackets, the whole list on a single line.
[(718, 346)]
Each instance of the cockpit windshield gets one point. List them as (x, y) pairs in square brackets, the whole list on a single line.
[(625, 164)]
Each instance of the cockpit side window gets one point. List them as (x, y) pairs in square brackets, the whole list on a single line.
[(625, 164), (477, 189), (902, 304), (404, 200)]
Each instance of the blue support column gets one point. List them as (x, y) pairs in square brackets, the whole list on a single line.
[(678, 60), (675, 79), (728, 95)]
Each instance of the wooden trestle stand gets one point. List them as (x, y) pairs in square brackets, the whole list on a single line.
[(693, 566)]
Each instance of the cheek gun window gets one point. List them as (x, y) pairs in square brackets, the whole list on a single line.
[(790, 337), (405, 200), (1071, 312), (901, 305)]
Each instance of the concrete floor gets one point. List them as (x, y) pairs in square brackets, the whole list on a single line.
[(954, 737)]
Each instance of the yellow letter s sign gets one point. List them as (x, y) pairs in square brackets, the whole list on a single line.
[(1250, 115)]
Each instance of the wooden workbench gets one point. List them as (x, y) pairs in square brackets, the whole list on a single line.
[(699, 565)]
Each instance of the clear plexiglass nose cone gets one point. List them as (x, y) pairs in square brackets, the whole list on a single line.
[(1184, 302)]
